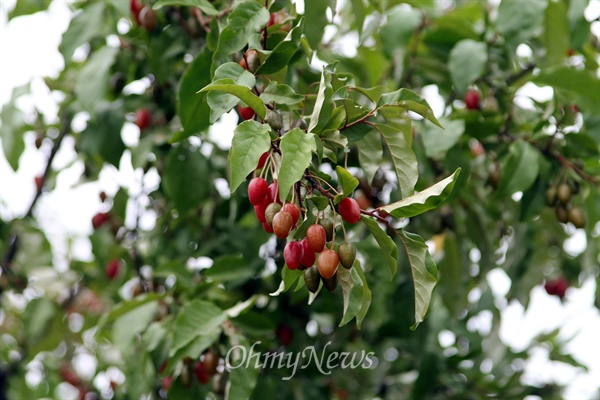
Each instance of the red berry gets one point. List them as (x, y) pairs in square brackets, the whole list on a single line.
[(316, 237), (294, 212), (274, 192), (267, 228), (349, 210), (68, 375), (308, 254), (167, 382), (272, 19), (39, 182), (557, 287), (112, 269), (292, 254), (246, 112), (282, 224), (328, 263), (99, 219), (260, 209), (147, 18), (284, 334), (570, 52), (243, 64), (262, 160), (472, 99), (257, 191), (135, 6), (201, 373), (143, 118)]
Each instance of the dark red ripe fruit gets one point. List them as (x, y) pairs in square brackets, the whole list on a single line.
[(472, 100), (262, 160), (328, 263), (246, 112), (274, 192), (292, 254), (112, 269), (272, 19), (201, 373), (294, 212), (557, 287), (316, 237), (39, 182), (211, 362), (308, 254), (282, 224), (68, 375), (257, 191), (243, 64), (143, 118), (260, 209), (284, 334), (135, 6), (99, 219), (267, 228), (147, 18), (349, 210)]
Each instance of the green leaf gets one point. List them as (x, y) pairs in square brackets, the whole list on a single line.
[(580, 83), (387, 245), (185, 178), (126, 328), (240, 307), (367, 295), (102, 136), (519, 169), (423, 201), (126, 306), (243, 378), (229, 268), (437, 141), (370, 153), (424, 272), (38, 317), (352, 291), (556, 33), (324, 104), (408, 100), (196, 318), (281, 55), (403, 158), (296, 153), (467, 62), (250, 140), (28, 7), (192, 109), (228, 85), (245, 19), (93, 80), (518, 20), (288, 278), (321, 202), (316, 20), (346, 181), (280, 94), (204, 5), (221, 103), (399, 29), (13, 128), (92, 22)]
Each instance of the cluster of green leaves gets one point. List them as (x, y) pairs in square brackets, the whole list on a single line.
[(200, 277)]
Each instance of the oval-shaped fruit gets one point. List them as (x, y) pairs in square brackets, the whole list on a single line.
[(577, 217), (274, 192), (262, 160), (349, 210), (316, 236), (282, 224), (562, 214), (135, 6), (243, 64), (211, 362), (292, 254), (331, 283), (112, 269), (312, 279), (308, 254), (472, 99), (563, 193), (551, 195), (270, 212), (267, 228), (294, 212), (327, 224), (201, 373), (257, 191), (328, 263), (147, 18), (260, 209), (347, 255), (252, 60), (99, 219), (143, 118), (274, 119), (246, 112)]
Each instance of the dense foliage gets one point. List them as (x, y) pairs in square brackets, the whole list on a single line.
[(337, 152)]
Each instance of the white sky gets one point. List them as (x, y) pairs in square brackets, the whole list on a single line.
[(28, 51)]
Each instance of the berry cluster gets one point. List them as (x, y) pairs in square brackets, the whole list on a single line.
[(560, 197), (318, 244)]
